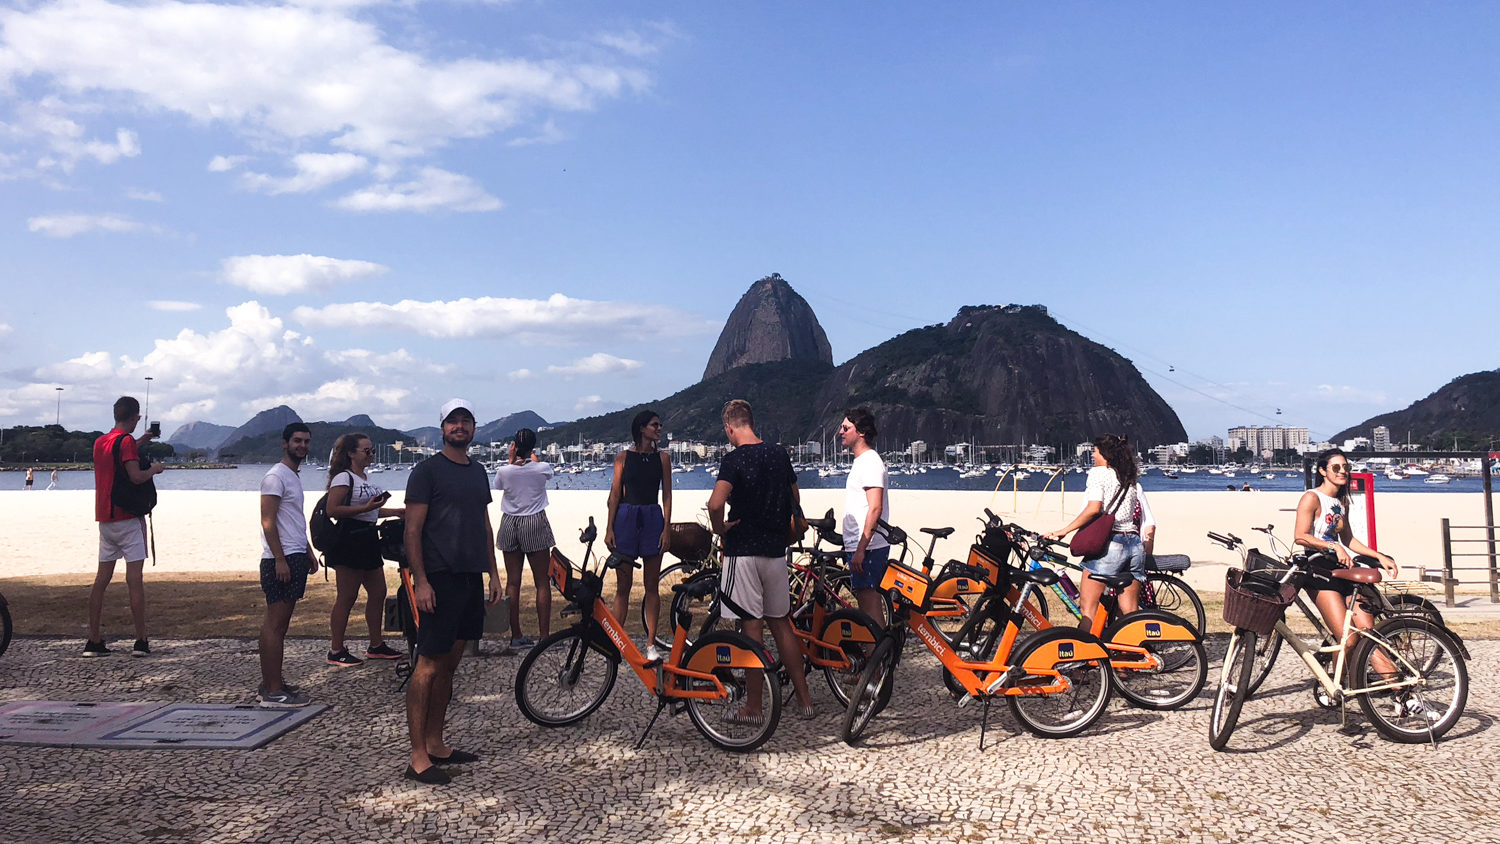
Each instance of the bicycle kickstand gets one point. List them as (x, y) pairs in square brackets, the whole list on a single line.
[(984, 722), (661, 704)]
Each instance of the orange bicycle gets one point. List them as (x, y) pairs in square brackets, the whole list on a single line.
[(724, 681), (1056, 682)]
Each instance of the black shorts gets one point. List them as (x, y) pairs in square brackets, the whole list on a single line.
[(1318, 579), (292, 590), (358, 549), (459, 615)]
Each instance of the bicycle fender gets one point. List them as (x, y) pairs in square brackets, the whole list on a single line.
[(1146, 626), (849, 626), (1069, 646), (726, 649)]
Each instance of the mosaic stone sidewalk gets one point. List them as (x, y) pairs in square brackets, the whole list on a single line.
[(1295, 774)]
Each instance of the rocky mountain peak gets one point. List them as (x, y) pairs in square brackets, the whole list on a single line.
[(771, 322)]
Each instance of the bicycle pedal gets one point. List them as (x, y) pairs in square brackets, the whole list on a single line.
[(571, 609), (653, 664), (966, 700)]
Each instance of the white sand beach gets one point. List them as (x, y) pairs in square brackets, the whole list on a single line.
[(53, 533)]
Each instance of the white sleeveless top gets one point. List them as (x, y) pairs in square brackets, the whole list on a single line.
[(1328, 525)]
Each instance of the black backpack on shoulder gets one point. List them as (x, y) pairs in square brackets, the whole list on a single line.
[(135, 499)]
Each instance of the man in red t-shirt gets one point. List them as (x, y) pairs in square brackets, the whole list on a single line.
[(120, 533)]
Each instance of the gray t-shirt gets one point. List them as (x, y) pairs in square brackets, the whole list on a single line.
[(454, 537)]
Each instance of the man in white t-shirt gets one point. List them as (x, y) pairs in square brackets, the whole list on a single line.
[(284, 564), (866, 502)]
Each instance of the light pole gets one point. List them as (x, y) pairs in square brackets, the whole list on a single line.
[(148, 399), (58, 419)]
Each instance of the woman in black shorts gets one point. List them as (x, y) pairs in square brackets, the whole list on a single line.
[(355, 502)]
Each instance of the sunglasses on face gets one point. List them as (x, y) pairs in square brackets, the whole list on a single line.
[(367, 451), (1340, 468)]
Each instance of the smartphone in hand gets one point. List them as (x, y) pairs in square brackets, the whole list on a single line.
[(155, 429)]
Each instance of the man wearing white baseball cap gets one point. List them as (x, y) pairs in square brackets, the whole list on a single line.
[(448, 549)]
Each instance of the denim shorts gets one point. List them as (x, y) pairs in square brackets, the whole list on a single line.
[(1125, 554), (876, 560)]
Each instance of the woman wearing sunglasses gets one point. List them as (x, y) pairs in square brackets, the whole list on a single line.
[(1323, 527)]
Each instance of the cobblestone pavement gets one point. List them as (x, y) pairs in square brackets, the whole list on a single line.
[(1294, 774)]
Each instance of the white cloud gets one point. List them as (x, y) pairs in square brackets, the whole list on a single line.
[(280, 275), (60, 141), (5, 330), (547, 134), (586, 403), (315, 170), (225, 163), (172, 305), (86, 368), (432, 190), (284, 76), (399, 364), (595, 364), (557, 318), (338, 399), (70, 225), (520, 374), (143, 195)]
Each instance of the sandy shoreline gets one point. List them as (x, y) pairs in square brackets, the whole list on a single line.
[(52, 533)]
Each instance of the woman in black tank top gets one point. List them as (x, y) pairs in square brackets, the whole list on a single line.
[(638, 527)]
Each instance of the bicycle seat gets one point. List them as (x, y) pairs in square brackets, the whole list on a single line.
[(940, 533), (617, 560), (1041, 577), (1357, 575), (1114, 581)]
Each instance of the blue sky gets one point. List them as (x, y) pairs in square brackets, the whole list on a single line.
[(352, 206)]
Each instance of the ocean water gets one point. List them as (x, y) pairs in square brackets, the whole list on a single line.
[(247, 478)]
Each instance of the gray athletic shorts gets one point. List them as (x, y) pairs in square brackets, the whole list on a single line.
[(525, 533), (759, 585), (125, 540)]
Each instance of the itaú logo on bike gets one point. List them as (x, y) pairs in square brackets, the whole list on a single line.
[(723, 655), (1065, 650), (1153, 630)]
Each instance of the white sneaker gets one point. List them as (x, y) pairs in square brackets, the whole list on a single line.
[(654, 653)]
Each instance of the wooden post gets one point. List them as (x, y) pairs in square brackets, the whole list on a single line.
[(1489, 528), (1447, 565)]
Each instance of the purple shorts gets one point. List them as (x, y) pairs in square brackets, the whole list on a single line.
[(638, 529)]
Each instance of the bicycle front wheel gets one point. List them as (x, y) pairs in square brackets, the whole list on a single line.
[(1266, 650), (874, 687), (1234, 687), (1405, 649), (563, 679), (1067, 713), (5, 628), (1173, 595), (745, 717), (856, 636), (672, 575)]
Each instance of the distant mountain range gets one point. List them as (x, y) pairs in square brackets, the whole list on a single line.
[(259, 439), (1465, 412)]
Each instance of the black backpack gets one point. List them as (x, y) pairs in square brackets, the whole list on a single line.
[(135, 499), (321, 528)]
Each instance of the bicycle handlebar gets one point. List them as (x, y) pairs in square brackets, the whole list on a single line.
[(1229, 541)]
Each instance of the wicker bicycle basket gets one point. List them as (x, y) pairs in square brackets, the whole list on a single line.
[(1255, 603)]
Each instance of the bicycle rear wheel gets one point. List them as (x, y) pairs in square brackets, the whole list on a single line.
[(1182, 663), (1419, 650), (875, 685), (1266, 650), (741, 667), (1068, 713), (1173, 595), (1234, 687), (563, 679)]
